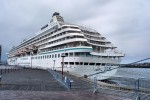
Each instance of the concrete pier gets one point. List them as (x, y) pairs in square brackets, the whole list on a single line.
[(35, 84)]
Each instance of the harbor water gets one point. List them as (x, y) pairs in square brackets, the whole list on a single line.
[(133, 73), (131, 77)]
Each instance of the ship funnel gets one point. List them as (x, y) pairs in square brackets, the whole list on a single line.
[(55, 14), (56, 17)]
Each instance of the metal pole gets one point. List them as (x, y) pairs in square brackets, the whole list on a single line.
[(54, 64), (137, 89), (62, 65), (95, 85), (63, 55), (31, 61), (31, 58)]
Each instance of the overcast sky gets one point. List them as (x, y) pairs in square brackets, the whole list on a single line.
[(126, 23)]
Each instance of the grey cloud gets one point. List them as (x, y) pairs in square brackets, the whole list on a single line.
[(125, 23)]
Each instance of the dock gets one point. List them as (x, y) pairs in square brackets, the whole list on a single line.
[(39, 84)]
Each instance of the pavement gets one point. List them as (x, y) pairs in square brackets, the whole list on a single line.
[(35, 84), (55, 95), (30, 80)]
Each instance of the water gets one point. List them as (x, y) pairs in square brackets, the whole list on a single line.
[(133, 73), (129, 76)]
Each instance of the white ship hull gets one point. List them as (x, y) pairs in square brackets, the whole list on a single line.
[(80, 66)]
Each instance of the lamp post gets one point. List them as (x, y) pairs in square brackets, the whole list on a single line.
[(63, 56), (31, 53), (54, 64)]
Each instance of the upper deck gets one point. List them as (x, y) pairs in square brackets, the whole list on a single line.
[(58, 34)]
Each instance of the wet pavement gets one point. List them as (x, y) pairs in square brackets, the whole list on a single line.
[(31, 80), (34, 84), (55, 95)]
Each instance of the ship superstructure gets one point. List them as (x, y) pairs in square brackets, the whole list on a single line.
[(86, 51)]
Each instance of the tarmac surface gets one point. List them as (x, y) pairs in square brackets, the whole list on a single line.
[(55, 95), (34, 84)]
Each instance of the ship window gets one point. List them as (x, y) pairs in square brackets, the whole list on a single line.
[(71, 54), (58, 55), (85, 63), (88, 54), (107, 64), (76, 54), (98, 63), (52, 56), (92, 64), (103, 64), (55, 55), (66, 63), (71, 63), (82, 54), (81, 63), (79, 54), (47, 56), (66, 54), (77, 63)]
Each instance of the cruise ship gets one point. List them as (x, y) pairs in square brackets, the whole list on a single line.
[(78, 49)]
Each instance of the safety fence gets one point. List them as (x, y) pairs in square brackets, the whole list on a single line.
[(61, 78), (132, 88), (8, 70), (135, 89)]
